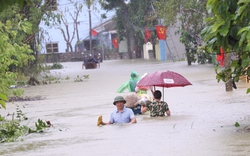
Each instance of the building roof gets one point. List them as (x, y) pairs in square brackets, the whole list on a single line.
[(106, 26)]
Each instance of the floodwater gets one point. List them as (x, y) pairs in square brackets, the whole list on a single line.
[(201, 122)]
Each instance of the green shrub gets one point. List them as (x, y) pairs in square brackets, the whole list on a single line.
[(11, 130), (56, 66)]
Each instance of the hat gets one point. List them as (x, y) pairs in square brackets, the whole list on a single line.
[(119, 98), (134, 74)]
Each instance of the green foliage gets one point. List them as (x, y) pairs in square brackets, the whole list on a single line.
[(19, 24), (140, 16), (168, 10), (78, 79), (3, 99), (248, 90), (18, 92), (191, 14), (11, 130), (5, 4), (40, 125), (67, 77), (131, 20), (19, 114), (13, 53), (228, 27), (19, 43), (204, 57), (48, 78), (81, 78), (237, 124), (56, 66)]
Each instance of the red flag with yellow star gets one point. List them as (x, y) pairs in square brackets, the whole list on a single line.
[(115, 43), (161, 32), (220, 58), (93, 32), (147, 34)]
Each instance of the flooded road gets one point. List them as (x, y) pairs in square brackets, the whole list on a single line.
[(201, 122)]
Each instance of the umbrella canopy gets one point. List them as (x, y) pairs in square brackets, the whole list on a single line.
[(164, 79)]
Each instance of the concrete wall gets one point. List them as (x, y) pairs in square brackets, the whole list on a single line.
[(78, 56), (176, 48)]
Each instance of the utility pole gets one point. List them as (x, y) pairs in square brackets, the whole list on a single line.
[(102, 40), (90, 34)]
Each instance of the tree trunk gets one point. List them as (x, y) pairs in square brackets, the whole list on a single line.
[(188, 57), (128, 41), (71, 48), (77, 32), (229, 82), (126, 26)]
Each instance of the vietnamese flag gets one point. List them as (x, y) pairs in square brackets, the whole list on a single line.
[(115, 42), (147, 34), (93, 32), (220, 58), (161, 32)]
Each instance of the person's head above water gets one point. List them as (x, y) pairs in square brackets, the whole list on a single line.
[(134, 75), (119, 99)]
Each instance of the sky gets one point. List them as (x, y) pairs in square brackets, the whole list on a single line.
[(55, 35)]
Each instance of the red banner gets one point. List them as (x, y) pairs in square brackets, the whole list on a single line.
[(147, 34), (93, 32), (115, 43), (220, 58), (161, 32)]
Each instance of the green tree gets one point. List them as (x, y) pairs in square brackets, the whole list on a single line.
[(122, 24), (191, 14), (19, 44), (5, 4), (13, 52), (228, 27), (35, 13), (142, 16), (131, 20)]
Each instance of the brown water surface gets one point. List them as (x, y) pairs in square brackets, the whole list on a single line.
[(201, 124)]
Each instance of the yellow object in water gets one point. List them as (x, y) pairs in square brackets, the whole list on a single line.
[(99, 120), (146, 96)]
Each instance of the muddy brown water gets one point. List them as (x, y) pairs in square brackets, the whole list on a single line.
[(201, 122)]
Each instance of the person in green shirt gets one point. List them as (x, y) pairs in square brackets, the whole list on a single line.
[(157, 107)]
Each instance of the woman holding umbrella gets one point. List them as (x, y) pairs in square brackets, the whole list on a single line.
[(157, 107)]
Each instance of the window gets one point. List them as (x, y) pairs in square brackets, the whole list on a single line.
[(52, 5), (52, 47)]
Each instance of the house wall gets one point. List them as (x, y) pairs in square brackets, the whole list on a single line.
[(79, 56), (175, 49)]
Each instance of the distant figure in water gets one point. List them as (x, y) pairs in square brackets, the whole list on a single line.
[(90, 62)]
